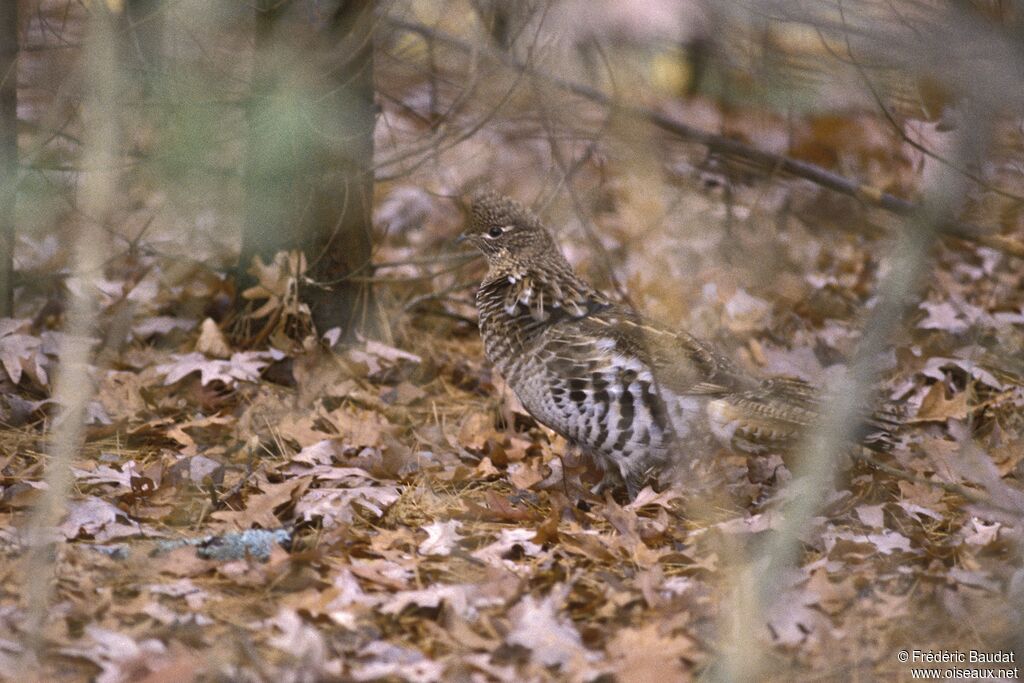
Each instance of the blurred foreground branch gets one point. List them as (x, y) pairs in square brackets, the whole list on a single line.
[(730, 147), (759, 584), (73, 383)]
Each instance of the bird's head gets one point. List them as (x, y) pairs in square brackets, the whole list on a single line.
[(506, 231)]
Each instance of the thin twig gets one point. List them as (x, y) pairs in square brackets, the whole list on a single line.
[(891, 118)]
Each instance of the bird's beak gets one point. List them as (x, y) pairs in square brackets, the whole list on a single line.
[(461, 238)]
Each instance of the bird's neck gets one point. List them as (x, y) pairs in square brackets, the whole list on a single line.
[(535, 294)]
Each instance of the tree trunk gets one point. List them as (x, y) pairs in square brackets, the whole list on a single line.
[(340, 243), (309, 174), (269, 167), (8, 150)]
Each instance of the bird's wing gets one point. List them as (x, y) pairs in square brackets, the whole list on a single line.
[(680, 362), (745, 413)]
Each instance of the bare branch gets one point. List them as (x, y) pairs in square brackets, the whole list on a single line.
[(730, 147)]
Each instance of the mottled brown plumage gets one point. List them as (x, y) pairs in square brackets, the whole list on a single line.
[(631, 394)]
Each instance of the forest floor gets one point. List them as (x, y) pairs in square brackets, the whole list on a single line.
[(391, 511)]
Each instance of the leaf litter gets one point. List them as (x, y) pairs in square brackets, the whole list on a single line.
[(353, 533)]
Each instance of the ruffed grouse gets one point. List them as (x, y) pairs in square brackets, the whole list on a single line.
[(628, 392)]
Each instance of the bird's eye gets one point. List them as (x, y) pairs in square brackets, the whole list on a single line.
[(495, 232)]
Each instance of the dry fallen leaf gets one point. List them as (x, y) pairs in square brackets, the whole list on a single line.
[(935, 407), (212, 341), (117, 655), (244, 366), (259, 508), (442, 538), (100, 520), (537, 626), (22, 353), (644, 654), (832, 596), (336, 506), (942, 316)]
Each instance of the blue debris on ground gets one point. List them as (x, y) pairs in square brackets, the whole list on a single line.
[(115, 551), (254, 543)]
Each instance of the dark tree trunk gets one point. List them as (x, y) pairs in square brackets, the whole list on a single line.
[(340, 243), (8, 150), (269, 166), (310, 186)]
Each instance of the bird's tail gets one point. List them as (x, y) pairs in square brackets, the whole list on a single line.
[(774, 416)]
